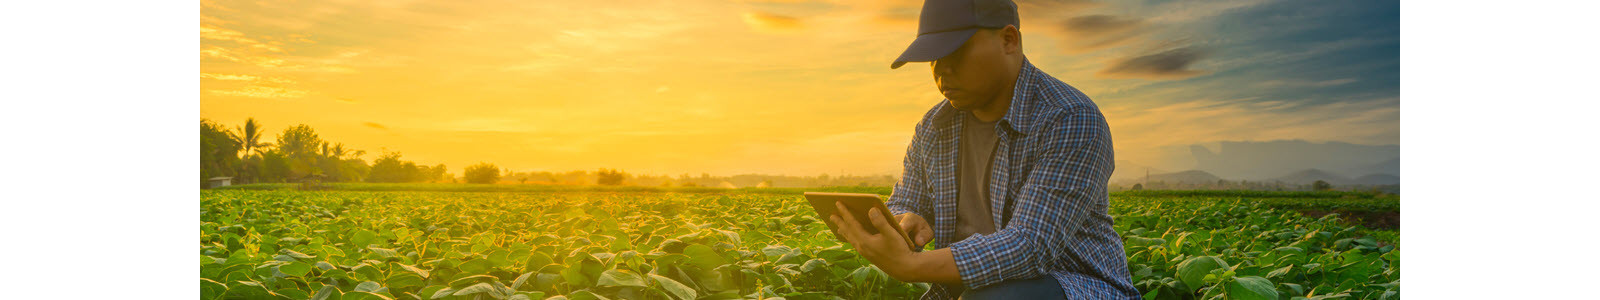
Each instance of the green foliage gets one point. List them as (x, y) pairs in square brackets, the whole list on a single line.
[(219, 150), (482, 173), (389, 168), (609, 177), (380, 241)]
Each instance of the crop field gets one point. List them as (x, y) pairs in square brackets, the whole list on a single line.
[(465, 242)]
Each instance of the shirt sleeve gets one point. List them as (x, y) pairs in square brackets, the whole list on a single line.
[(1050, 207), (911, 193)]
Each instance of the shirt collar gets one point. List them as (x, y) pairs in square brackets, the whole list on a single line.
[(1018, 118)]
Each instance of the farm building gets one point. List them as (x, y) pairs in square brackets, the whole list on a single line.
[(221, 181)]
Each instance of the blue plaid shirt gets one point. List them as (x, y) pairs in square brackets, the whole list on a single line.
[(1052, 164)]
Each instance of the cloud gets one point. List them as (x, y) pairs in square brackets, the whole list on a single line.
[(224, 34), (243, 77), (257, 91), (1094, 32), (772, 23), (1170, 64), (375, 125)]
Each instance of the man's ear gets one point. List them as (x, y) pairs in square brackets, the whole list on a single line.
[(1012, 39)]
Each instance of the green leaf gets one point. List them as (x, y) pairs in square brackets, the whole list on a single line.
[(1193, 270), (673, 287), (1280, 271), (296, 269), (520, 280), (1251, 288), (368, 286), (483, 288), (363, 237), (620, 278), (365, 296), (405, 280), (419, 271), (383, 252), (211, 289), (475, 266), (296, 255), (471, 280), (328, 292), (703, 257)]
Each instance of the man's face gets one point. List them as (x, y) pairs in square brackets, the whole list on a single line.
[(972, 75)]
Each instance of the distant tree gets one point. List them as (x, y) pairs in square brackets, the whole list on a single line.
[(274, 167), (250, 136), (1321, 185), (219, 151), (1138, 186), (482, 173), (300, 146), (390, 168), (609, 177)]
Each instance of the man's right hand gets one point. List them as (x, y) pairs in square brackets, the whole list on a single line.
[(916, 228)]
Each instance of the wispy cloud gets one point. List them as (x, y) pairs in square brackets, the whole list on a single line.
[(772, 23), (1168, 64), (257, 91), (1095, 32), (375, 125)]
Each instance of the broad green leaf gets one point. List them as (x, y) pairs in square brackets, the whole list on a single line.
[(1193, 270), (620, 278), (358, 295), (296, 269), (1251, 288), (328, 293), (703, 257), (211, 289), (363, 237), (682, 292), (475, 266), (367, 286)]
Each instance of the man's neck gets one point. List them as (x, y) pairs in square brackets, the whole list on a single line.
[(998, 106)]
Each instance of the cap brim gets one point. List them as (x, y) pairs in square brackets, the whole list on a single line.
[(931, 47)]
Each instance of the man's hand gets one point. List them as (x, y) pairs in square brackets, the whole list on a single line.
[(887, 249), (916, 227)]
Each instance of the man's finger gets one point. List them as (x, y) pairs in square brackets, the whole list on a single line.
[(849, 220), (848, 235), (879, 222)]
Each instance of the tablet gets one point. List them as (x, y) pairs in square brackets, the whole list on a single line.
[(858, 204)]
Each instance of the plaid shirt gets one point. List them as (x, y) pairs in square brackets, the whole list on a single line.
[(1052, 164)]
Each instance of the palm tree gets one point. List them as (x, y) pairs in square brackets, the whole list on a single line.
[(250, 136)]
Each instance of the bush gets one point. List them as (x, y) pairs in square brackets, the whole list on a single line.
[(609, 177), (482, 173)]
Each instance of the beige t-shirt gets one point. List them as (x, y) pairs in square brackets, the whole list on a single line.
[(978, 142)]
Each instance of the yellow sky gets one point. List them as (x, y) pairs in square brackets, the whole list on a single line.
[(663, 87)]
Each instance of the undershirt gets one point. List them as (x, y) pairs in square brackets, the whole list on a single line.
[(978, 142)]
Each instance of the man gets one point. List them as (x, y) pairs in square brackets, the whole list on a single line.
[(1012, 167)]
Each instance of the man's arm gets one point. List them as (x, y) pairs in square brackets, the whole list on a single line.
[(1049, 208), (911, 192)]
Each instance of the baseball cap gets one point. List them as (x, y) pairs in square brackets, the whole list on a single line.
[(946, 24)]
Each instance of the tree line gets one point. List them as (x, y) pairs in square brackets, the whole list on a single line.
[(298, 155)]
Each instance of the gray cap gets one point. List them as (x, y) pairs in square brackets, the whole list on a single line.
[(946, 24)]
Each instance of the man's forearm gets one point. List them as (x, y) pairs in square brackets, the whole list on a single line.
[(937, 266)]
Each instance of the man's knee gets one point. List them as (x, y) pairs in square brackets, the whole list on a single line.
[(1044, 287)]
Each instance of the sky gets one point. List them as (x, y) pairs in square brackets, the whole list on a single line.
[(790, 87)]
